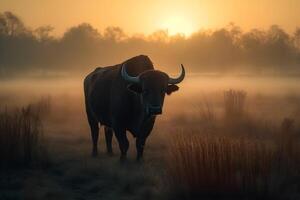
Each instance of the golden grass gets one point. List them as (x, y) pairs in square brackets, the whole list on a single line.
[(223, 165), (234, 103), (210, 165)]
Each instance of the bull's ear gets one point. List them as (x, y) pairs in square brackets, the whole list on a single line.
[(135, 88), (171, 88)]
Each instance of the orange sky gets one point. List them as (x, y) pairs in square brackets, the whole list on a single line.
[(137, 16)]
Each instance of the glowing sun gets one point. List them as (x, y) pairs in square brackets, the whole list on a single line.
[(178, 24)]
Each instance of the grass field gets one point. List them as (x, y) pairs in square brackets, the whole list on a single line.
[(228, 138)]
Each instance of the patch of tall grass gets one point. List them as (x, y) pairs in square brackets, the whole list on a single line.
[(21, 135), (209, 166), (234, 103), (214, 163)]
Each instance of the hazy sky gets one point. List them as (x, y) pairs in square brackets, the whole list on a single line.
[(138, 16)]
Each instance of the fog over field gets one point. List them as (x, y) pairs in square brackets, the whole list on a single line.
[(193, 90)]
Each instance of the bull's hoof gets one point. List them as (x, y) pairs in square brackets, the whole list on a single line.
[(140, 160), (94, 154), (123, 159), (110, 153)]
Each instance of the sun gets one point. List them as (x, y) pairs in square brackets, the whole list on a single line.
[(178, 25)]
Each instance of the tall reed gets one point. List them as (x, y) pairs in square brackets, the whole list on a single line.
[(199, 165), (21, 132)]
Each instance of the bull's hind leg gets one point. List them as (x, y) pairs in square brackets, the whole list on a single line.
[(94, 125), (95, 136), (108, 138)]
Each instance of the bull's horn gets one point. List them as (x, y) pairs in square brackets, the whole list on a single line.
[(178, 79), (128, 78)]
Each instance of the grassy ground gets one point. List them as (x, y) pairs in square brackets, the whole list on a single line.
[(203, 145), (68, 171), (234, 155), (73, 174)]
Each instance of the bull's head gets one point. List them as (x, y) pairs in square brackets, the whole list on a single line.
[(152, 85)]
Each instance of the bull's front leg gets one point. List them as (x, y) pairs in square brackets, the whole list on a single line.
[(123, 142), (142, 136), (140, 144)]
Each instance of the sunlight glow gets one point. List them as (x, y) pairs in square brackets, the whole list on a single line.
[(177, 24)]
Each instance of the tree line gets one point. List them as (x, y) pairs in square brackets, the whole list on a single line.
[(82, 47)]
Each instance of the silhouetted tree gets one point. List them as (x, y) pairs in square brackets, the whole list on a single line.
[(43, 33), (11, 25)]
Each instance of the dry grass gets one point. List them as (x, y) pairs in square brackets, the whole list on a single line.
[(214, 163), (219, 166), (21, 134), (234, 102)]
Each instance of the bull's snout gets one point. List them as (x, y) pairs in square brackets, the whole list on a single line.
[(154, 110)]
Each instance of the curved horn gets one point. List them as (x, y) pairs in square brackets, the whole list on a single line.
[(128, 78), (177, 80)]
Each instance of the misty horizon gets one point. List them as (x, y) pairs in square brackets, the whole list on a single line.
[(83, 47)]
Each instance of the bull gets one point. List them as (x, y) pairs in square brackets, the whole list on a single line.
[(126, 97)]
